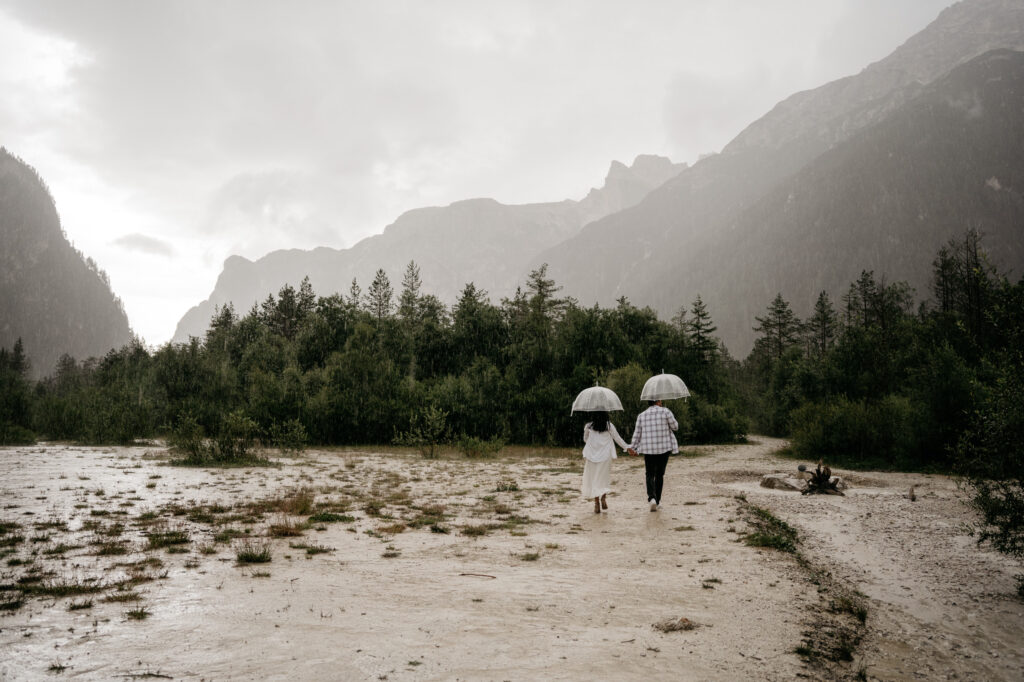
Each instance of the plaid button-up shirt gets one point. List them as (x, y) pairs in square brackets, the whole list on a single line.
[(653, 433)]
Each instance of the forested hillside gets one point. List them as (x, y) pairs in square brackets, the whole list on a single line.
[(51, 296)]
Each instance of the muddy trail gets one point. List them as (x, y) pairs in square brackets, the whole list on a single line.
[(370, 566)]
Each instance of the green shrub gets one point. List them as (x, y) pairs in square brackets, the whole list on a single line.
[(290, 436), (236, 437), (233, 443), (13, 434), (187, 438), (428, 430), (859, 433), (710, 423), (991, 456), (474, 447)]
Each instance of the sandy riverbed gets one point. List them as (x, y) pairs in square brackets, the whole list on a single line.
[(548, 590)]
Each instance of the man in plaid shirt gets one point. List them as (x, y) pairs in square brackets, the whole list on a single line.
[(653, 438)]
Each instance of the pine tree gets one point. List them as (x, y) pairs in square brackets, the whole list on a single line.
[(821, 328), (964, 283), (355, 295), (542, 299), (409, 299), (701, 328), (379, 295), (307, 298), (780, 329)]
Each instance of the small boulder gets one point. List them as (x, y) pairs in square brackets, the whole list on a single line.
[(675, 624), (779, 482)]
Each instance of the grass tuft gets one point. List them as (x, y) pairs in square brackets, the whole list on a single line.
[(331, 517), (312, 549), (253, 552), (166, 538), (140, 612), (12, 604), (111, 549), (285, 528), (769, 531)]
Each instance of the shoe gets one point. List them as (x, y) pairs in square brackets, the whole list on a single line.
[(604, 502), (597, 507), (654, 505)]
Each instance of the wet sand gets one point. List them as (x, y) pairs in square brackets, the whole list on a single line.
[(545, 589)]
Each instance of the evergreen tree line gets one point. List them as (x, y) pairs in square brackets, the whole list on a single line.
[(368, 367), (872, 381), (877, 382)]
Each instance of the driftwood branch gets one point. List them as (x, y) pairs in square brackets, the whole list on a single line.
[(821, 483)]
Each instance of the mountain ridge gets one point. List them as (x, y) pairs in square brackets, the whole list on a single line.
[(643, 250), (493, 259), (691, 212), (51, 297)]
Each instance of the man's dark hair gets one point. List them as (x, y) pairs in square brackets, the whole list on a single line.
[(600, 422), (652, 402)]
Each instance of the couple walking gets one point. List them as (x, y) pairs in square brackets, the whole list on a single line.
[(653, 437)]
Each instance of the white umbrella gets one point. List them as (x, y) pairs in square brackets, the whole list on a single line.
[(596, 399), (664, 387)]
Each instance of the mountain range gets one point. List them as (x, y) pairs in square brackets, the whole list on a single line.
[(477, 240), (51, 297), (831, 182)]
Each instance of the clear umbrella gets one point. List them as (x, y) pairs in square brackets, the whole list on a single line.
[(596, 399), (664, 387)]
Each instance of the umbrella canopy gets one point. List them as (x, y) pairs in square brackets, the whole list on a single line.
[(596, 399), (664, 387)]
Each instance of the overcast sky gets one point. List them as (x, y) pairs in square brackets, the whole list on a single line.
[(176, 133)]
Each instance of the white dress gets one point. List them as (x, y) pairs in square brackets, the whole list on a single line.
[(598, 454)]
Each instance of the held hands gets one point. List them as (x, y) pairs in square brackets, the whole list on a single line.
[(632, 452)]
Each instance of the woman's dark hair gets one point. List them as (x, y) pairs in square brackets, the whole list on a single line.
[(600, 422)]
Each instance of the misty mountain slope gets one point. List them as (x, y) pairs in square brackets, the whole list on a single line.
[(660, 242), (832, 112), (51, 297), (885, 200), (477, 240)]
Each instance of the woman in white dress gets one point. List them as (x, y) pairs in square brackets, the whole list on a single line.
[(600, 438)]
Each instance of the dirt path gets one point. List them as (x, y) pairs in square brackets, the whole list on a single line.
[(548, 589)]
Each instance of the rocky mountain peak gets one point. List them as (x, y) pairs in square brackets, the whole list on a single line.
[(822, 117)]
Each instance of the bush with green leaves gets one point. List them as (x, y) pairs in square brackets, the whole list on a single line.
[(428, 430), (880, 433), (289, 436), (475, 448), (236, 437), (991, 456), (13, 434), (188, 438), (233, 443), (708, 422)]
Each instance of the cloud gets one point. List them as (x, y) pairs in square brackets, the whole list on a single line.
[(145, 244), (245, 126)]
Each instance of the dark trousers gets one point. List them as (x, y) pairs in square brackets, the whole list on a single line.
[(654, 467)]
